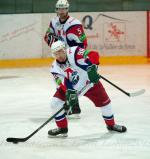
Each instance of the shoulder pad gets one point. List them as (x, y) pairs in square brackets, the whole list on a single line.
[(73, 21), (55, 20)]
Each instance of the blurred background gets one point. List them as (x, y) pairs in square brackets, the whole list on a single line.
[(47, 6), (118, 29)]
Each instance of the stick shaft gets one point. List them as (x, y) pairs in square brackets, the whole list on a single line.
[(46, 122), (128, 94), (134, 94)]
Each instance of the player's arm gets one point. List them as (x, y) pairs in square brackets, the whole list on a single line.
[(66, 86), (50, 36), (89, 61), (93, 61), (62, 82), (76, 35), (85, 58)]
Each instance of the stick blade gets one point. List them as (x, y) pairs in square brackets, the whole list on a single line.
[(137, 93), (15, 140)]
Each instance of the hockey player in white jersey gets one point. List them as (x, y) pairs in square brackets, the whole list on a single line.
[(67, 29), (73, 68)]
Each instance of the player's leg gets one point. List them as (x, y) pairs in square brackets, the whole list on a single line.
[(108, 117), (74, 112), (57, 103), (98, 95)]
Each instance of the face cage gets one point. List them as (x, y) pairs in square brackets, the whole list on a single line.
[(67, 9)]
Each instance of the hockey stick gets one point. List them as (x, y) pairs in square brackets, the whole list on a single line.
[(134, 94), (16, 140), (80, 92)]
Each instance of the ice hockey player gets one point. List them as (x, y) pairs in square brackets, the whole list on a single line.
[(67, 29), (73, 68)]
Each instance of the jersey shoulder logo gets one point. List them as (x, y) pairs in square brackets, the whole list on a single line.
[(81, 51)]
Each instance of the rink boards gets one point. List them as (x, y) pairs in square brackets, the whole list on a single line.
[(120, 37)]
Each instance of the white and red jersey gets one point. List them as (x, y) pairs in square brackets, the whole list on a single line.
[(70, 31), (72, 73)]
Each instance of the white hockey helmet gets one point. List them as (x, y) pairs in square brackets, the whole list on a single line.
[(62, 4), (56, 46)]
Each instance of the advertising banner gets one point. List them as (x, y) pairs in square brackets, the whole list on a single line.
[(20, 36), (111, 33)]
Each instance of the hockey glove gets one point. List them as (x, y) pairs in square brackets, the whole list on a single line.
[(92, 74), (49, 38), (71, 97)]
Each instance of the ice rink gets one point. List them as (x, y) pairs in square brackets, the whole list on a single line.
[(25, 96)]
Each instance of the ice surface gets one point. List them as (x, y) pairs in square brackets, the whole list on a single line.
[(25, 104)]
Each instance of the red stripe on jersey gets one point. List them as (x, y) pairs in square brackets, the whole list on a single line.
[(76, 29)]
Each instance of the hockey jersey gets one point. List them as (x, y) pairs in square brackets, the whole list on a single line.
[(72, 73), (70, 31)]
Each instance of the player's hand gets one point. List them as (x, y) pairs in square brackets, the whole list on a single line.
[(92, 74), (71, 97), (49, 38)]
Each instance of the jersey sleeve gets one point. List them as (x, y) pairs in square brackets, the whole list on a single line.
[(76, 36), (62, 82), (85, 58), (59, 81), (51, 28), (49, 38)]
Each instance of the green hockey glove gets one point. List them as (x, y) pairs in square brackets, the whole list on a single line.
[(92, 74), (71, 97)]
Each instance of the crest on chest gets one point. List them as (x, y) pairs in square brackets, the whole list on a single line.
[(71, 73), (60, 29)]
